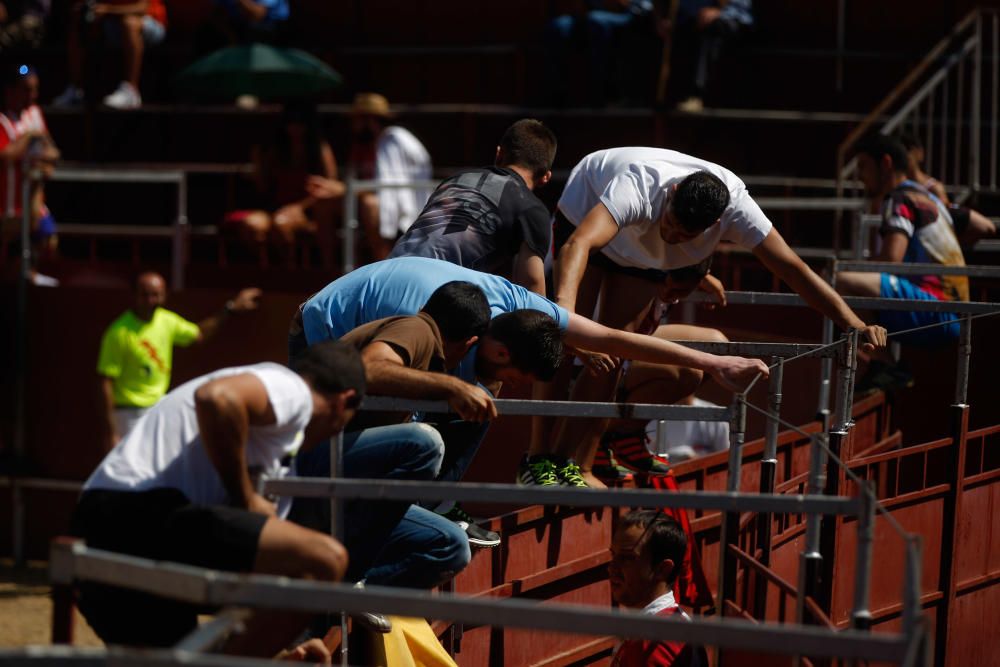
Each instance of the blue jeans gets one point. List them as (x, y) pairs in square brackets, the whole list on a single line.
[(419, 546)]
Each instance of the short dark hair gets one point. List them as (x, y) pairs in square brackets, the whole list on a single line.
[(693, 273), (528, 143), (909, 141), (699, 201), (331, 367), (459, 309), (663, 534), (533, 340), (876, 145)]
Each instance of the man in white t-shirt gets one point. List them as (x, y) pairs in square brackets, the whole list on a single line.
[(181, 487), (630, 215)]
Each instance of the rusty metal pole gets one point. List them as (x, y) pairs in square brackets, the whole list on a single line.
[(861, 615), (731, 520), (768, 474)]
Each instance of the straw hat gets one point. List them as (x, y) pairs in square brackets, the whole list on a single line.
[(371, 104)]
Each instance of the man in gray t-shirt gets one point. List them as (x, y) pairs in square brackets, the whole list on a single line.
[(489, 219)]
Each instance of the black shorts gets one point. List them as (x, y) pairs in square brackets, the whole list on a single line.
[(562, 228), (160, 524)]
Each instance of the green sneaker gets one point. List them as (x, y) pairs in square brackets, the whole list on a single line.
[(570, 475), (538, 470)]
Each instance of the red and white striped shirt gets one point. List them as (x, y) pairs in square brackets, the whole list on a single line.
[(11, 127)]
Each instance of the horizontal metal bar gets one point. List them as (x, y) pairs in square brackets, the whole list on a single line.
[(102, 175), (752, 349), (42, 483), (144, 231), (513, 494), (560, 409), (79, 656), (210, 634), (811, 203), (863, 302), (805, 252), (368, 184), (223, 588), (919, 269)]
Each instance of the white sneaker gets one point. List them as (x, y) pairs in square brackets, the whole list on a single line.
[(71, 97), (691, 105), (124, 97)]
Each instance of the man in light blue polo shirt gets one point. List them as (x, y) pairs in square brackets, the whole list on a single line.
[(402, 285)]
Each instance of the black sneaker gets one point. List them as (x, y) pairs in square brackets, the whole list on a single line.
[(884, 377), (478, 535)]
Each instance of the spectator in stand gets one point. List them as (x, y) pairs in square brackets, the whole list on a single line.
[(243, 21), (22, 24), (647, 550), (490, 219), (137, 351), (134, 24), (391, 154), (182, 487), (702, 30), (25, 141), (970, 225), (916, 228), (282, 171), (613, 34)]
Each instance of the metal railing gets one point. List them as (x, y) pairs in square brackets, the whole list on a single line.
[(943, 100)]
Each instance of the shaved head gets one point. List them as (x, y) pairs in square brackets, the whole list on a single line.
[(150, 293)]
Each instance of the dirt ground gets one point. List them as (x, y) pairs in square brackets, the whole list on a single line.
[(26, 608)]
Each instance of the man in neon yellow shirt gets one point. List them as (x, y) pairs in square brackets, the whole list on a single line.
[(137, 351)]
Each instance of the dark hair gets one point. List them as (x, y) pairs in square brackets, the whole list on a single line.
[(332, 367), (909, 141), (693, 273), (527, 143), (665, 537), (11, 74), (302, 113), (533, 340), (877, 144), (699, 201), (460, 310)]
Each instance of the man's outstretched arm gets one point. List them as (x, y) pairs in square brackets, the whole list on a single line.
[(782, 261), (732, 372)]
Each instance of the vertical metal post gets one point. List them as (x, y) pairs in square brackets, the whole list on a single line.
[(861, 615), (20, 367), (943, 169), (964, 358), (337, 525), (911, 586), (811, 558), (838, 83), (994, 115), (959, 108), (929, 132), (977, 101), (842, 405), (731, 520), (178, 259), (350, 223), (768, 474), (826, 363)]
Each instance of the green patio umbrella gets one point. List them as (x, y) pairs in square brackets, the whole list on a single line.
[(257, 69)]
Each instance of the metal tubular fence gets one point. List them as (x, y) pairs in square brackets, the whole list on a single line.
[(202, 586), (926, 98)]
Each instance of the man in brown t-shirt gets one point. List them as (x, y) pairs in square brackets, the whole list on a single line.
[(396, 543)]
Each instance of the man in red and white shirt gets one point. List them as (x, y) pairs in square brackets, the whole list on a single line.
[(644, 551), (24, 137)]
